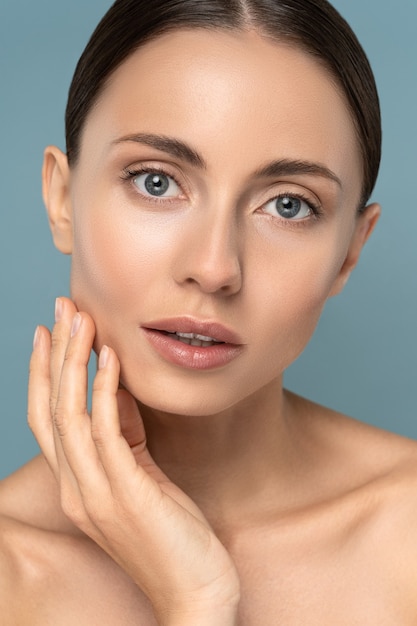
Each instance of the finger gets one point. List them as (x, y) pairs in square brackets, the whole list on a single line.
[(65, 311), (133, 474), (105, 422), (118, 430), (79, 460), (39, 417), (64, 314)]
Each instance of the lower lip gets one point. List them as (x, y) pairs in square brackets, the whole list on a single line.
[(192, 357)]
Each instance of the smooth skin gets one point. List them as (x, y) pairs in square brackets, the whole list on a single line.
[(108, 484), (243, 503)]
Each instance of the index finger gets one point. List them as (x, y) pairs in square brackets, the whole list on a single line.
[(39, 415)]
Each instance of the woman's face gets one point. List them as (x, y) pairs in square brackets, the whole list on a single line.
[(217, 188)]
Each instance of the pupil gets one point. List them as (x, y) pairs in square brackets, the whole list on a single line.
[(288, 207), (156, 184)]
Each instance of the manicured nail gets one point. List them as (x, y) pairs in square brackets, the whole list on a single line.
[(58, 309), (76, 323), (103, 358), (36, 338)]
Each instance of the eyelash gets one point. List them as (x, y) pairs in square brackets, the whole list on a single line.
[(314, 207), (316, 210), (130, 174)]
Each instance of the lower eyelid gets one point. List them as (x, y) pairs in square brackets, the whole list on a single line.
[(129, 175), (156, 174), (314, 208)]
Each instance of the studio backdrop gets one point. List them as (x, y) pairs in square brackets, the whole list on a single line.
[(362, 359)]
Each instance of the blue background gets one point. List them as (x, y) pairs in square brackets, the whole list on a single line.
[(362, 359)]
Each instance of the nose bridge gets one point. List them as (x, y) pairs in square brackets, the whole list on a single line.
[(212, 251)]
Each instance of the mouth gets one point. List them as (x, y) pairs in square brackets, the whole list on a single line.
[(194, 339), (188, 330), (192, 343)]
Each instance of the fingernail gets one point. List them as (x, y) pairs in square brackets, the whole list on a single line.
[(103, 357), (36, 338), (58, 309), (76, 323)]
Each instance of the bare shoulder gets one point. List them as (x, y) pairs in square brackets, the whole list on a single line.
[(50, 572), (36, 542), (375, 476), (25, 514), (359, 459), (369, 453), (9, 576), (30, 495)]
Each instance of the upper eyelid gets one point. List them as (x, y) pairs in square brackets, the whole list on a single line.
[(130, 172), (314, 203), (163, 168), (136, 170), (299, 195), (315, 210)]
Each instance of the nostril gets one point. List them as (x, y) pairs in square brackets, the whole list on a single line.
[(211, 263)]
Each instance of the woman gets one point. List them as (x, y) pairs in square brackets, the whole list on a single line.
[(213, 196)]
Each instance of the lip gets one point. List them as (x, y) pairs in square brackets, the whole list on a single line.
[(188, 324), (193, 357)]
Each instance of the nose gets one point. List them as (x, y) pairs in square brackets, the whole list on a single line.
[(209, 256)]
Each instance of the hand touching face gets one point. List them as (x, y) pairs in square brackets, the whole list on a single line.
[(111, 489)]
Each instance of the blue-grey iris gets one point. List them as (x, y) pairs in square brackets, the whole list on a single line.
[(156, 184), (288, 206)]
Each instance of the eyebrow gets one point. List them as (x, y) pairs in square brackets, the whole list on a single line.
[(289, 167), (279, 167), (171, 146)]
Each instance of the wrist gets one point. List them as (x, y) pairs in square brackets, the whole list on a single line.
[(211, 608), (208, 618), (204, 615)]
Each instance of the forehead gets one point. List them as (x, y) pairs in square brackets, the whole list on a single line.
[(229, 94)]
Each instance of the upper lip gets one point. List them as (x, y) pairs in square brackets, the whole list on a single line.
[(189, 324)]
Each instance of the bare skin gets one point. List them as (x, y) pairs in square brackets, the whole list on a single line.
[(346, 557), (243, 504)]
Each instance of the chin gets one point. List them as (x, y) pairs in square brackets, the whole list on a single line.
[(201, 398), (188, 406)]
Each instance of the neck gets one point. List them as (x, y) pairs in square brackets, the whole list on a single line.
[(229, 462)]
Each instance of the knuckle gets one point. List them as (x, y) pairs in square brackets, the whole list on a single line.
[(53, 401), (73, 358), (68, 356), (98, 435), (60, 421), (99, 512), (72, 507), (56, 341)]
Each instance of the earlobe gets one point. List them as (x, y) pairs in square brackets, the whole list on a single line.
[(365, 224), (55, 189)]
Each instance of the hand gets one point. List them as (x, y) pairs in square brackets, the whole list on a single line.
[(110, 486)]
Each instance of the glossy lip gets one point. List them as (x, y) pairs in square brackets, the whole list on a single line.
[(188, 324), (193, 357)]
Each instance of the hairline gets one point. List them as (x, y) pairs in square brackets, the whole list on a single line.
[(248, 25)]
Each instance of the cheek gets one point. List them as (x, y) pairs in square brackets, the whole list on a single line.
[(114, 264), (292, 293)]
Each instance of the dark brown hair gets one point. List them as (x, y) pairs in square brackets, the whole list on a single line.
[(313, 25)]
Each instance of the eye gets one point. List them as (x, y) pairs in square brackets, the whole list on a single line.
[(156, 184), (289, 207)]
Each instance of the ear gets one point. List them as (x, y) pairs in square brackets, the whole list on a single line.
[(55, 190), (365, 224)]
